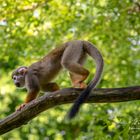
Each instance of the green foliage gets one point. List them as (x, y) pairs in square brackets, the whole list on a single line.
[(31, 28)]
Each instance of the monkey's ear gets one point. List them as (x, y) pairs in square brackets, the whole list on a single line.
[(23, 70)]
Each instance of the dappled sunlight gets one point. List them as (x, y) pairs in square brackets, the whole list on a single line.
[(29, 29)]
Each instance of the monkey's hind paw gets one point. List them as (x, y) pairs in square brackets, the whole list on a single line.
[(83, 85), (80, 85)]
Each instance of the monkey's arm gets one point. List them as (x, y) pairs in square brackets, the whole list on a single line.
[(31, 96), (32, 87)]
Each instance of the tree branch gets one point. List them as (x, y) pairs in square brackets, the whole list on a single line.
[(65, 96)]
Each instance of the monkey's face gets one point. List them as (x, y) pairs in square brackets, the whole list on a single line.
[(18, 76)]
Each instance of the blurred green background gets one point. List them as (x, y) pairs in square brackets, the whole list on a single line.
[(29, 29)]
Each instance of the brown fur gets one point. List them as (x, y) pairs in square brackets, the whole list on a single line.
[(71, 56)]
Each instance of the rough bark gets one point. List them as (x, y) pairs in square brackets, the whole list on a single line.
[(65, 96)]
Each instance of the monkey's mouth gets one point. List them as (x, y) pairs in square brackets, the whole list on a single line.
[(17, 84)]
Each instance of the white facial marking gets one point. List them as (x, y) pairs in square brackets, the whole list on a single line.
[(21, 69)]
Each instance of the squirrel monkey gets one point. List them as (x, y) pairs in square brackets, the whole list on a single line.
[(71, 56)]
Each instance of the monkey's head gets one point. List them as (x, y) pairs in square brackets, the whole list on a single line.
[(18, 76)]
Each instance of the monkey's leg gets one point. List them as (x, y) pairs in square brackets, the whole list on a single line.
[(78, 74), (50, 87), (72, 59)]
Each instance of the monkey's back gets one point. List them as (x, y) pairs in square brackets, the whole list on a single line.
[(49, 66)]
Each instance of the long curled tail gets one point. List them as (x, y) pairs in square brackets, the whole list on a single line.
[(96, 55)]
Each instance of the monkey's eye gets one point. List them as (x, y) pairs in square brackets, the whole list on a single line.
[(14, 77)]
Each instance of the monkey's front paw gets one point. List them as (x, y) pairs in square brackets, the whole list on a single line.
[(21, 106)]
